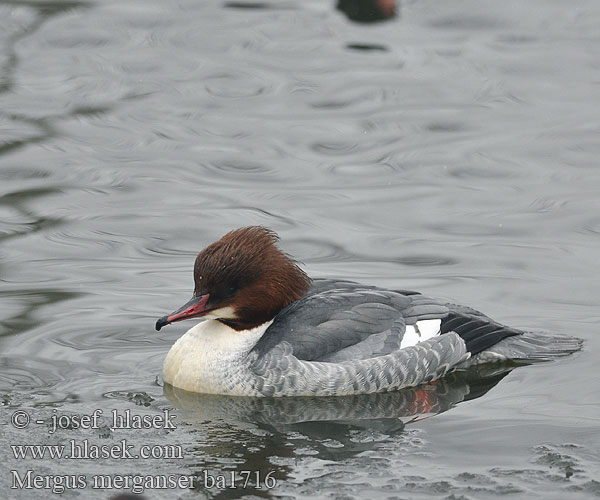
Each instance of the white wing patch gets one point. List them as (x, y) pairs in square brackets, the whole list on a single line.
[(411, 337), (423, 330), (429, 328)]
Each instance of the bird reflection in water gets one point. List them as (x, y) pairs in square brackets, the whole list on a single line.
[(253, 430), (408, 405), (368, 11), (361, 11)]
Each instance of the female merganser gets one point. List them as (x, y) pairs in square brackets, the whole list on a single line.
[(272, 331)]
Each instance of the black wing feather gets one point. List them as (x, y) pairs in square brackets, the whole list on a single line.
[(477, 330)]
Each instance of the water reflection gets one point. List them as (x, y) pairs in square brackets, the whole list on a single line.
[(271, 434), (26, 305), (368, 11), (361, 11), (36, 129), (408, 405)]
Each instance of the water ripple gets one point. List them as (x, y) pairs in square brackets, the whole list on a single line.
[(234, 85)]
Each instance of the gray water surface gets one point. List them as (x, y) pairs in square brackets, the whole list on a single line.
[(458, 157)]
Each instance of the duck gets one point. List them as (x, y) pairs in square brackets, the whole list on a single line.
[(268, 330)]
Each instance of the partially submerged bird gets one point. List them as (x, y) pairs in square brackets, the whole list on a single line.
[(272, 331)]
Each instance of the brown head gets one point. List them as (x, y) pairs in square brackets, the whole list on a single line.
[(243, 280)]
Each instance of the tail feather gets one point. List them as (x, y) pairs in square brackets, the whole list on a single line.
[(537, 346), (528, 347)]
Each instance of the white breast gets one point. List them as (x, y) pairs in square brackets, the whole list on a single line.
[(210, 358)]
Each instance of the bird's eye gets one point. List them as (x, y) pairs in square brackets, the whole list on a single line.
[(232, 290)]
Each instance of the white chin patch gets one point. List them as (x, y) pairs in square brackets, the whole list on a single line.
[(423, 330), (222, 313)]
